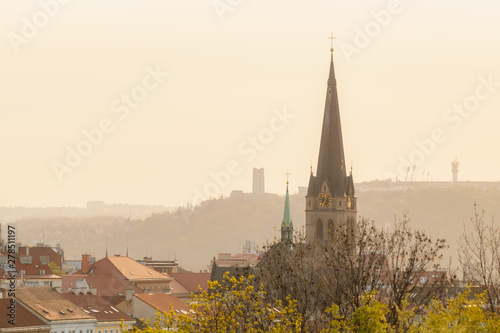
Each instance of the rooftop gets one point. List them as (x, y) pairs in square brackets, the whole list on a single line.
[(35, 268), (192, 281), (24, 318), (164, 302), (49, 304), (126, 267), (105, 285), (98, 307)]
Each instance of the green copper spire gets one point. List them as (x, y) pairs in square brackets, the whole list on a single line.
[(287, 225), (287, 220)]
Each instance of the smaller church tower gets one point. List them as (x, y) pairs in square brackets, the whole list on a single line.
[(287, 225)]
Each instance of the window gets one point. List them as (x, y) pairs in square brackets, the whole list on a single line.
[(319, 230), (42, 272)]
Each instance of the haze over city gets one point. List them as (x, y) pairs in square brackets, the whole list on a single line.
[(239, 87), (249, 166)]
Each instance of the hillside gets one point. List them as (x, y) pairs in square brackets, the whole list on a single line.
[(194, 236)]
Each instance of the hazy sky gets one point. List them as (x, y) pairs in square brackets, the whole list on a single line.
[(245, 88)]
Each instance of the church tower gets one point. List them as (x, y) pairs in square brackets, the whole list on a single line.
[(330, 199), (286, 224)]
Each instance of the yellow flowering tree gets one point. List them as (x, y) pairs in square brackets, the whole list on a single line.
[(235, 305), (371, 317), (460, 314)]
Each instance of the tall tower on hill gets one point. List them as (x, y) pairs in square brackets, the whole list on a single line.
[(258, 181), (330, 199), (454, 169)]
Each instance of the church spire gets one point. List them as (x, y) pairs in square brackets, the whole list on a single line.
[(286, 224), (330, 199), (331, 161)]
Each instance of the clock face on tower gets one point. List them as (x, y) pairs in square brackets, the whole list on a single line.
[(325, 200)]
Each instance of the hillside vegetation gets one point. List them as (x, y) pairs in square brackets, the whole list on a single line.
[(194, 235)]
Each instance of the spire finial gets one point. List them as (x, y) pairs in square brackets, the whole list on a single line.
[(331, 38), (351, 167), (311, 167), (287, 174)]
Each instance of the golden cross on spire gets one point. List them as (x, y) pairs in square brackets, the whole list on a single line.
[(331, 38), (287, 174)]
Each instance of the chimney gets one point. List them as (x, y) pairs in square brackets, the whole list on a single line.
[(85, 263), (129, 293)]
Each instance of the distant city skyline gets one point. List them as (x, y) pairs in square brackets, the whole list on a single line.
[(157, 102)]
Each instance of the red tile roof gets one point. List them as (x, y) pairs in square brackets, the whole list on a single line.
[(163, 302), (177, 289), (37, 252), (111, 286), (125, 267), (98, 307), (24, 318), (69, 281), (192, 281), (35, 268), (49, 304)]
